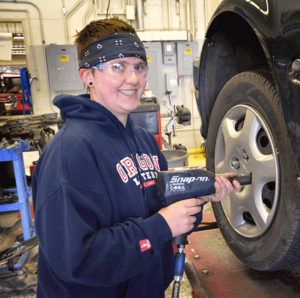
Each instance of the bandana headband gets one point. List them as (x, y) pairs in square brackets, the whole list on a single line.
[(118, 45)]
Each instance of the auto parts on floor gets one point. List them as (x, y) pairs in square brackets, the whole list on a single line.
[(19, 284), (9, 236)]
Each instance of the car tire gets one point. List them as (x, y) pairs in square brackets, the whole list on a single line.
[(247, 134)]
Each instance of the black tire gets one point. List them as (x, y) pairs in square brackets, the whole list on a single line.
[(261, 223)]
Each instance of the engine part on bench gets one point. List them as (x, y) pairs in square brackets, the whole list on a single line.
[(28, 127), (49, 131), (46, 137)]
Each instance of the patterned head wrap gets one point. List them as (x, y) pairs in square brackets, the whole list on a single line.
[(118, 45)]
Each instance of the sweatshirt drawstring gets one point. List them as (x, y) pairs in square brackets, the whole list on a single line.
[(139, 151), (140, 154)]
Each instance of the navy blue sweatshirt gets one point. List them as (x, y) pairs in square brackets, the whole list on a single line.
[(96, 211)]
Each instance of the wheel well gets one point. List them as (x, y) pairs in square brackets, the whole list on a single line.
[(231, 48)]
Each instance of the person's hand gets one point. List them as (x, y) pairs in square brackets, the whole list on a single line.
[(179, 216), (223, 188)]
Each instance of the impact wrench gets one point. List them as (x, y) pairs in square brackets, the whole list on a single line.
[(175, 186)]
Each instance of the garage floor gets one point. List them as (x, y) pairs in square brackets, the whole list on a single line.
[(215, 272), (227, 277)]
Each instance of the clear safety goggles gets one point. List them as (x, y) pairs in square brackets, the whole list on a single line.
[(124, 70)]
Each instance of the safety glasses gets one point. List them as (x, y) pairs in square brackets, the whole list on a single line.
[(124, 70)]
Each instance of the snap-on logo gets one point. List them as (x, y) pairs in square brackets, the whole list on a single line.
[(178, 183), (145, 244), (177, 179)]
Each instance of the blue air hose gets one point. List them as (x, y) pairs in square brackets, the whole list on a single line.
[(178, 270)]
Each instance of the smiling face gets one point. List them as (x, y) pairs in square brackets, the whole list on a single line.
[(118, 94)]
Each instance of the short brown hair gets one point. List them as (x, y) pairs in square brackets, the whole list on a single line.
[(99, 29)]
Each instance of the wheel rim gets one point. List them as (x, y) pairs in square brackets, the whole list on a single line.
[(245, 145)]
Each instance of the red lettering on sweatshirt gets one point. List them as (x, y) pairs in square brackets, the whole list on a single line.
[(149, 183), (148, 161), (122, 173), (155, 161), (142, 163), (129, 166)]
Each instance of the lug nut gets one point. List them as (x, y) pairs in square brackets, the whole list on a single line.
[(245, 155), (235, 164)]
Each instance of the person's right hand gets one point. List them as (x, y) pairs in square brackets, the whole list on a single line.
[(179, 216)]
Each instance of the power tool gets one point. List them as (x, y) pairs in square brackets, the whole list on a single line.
[(174, 186)]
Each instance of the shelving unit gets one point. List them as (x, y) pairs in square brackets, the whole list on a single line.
[(18, 53), (14, 153), (18, 47)]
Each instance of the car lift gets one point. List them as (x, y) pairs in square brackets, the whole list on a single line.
[(215, 272)]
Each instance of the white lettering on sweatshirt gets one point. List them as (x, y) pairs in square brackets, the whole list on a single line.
[(149, 167)]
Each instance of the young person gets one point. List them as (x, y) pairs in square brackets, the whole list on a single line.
[(102, 231)]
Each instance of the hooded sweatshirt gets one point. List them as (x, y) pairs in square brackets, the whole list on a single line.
[(96, 210)]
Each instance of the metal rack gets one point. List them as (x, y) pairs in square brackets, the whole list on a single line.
[(14, 153)]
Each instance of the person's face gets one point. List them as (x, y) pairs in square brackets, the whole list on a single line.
[(119, 94)]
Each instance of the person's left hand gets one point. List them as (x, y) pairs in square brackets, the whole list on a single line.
[(223, 188)]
